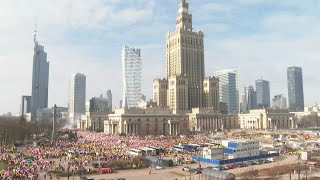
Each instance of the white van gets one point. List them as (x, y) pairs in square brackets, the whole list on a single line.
[(135, 152)]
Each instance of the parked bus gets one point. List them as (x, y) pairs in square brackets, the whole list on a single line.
[(190, 148), (148, 151), (178, 148), (158, 150), (135, 152)]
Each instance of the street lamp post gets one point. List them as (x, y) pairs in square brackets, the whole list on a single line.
[(299, 166)]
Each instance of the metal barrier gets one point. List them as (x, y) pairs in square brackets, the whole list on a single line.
[(231, 161)]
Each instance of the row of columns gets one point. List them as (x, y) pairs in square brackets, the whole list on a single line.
[(174, 128), (281, 124), (209, 124), (95, 125), (111, 128), (131, 128)]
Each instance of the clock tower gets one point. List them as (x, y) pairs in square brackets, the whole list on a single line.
[(184, 18), (185, 62)]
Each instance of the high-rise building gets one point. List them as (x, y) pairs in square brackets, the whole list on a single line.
[(279, 102), (160, 87), (25, 105), (249, 100), (77, 97), (99, 104), (40, 79), (185, 56), (131, 72), (109, 98), (211, 93), (295, 89), (178, 93), (263, 93), (229, 89)]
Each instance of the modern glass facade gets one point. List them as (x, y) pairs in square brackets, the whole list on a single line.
[(77, 97), (295, 89), (229, 89), (263, 93), (249, 100), (131, 72), (40, 80)]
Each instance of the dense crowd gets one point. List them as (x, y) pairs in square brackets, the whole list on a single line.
[(72, 155)]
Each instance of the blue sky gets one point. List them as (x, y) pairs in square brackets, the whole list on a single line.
[(260, 37)]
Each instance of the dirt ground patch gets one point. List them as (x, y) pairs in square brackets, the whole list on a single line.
[(273, 172)]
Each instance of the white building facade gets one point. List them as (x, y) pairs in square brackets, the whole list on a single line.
[(131, 73), (241, 148), (267, 119)]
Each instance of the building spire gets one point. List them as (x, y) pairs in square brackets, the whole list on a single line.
[(35, 33)]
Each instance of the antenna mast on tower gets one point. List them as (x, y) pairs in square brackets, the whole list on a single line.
[(35, 33)]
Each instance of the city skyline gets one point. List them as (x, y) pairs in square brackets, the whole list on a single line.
[(264, 42)]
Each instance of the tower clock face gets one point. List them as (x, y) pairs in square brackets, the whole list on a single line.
[(183, 10)]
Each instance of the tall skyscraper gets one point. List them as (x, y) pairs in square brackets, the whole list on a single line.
[(77, 97), (229, 89), (131, 72), (185, 56), (249, 99), (279, 102), (263, 93), (40, 79), (295, 89), (109, 98)]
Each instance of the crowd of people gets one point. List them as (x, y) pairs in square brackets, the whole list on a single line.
[(88, 147)]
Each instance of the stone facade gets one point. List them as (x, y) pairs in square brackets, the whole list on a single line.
[(151, 121), (211, 93), (93, 121), (267, 119), (185, 56), (160, 87), (178, 93), (208, 120)]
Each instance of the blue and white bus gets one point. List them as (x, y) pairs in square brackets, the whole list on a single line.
[(178, 148)]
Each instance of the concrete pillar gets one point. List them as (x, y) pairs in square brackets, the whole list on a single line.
[(179, 129), (212, 124)]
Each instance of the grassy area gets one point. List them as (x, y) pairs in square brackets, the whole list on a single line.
[(2, 166), (274, 171), (176, 173), (65, 174), (279, 158)]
